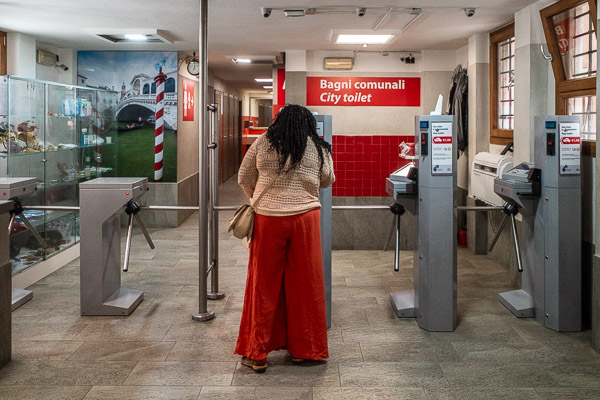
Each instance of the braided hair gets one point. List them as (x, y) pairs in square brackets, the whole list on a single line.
[(289, 134)]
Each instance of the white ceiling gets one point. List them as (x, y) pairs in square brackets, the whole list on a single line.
[(237, 28)]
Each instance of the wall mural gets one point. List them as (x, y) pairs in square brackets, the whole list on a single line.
[(147, 107)]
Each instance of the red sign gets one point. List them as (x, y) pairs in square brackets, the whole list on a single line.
[(442, 139), (188, 100), (363, 91), (571, 140)]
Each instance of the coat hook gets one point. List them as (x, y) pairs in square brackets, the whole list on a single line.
[(546, 56)]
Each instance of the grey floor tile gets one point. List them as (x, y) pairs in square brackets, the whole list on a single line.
[(123, 331), (479, 393), (283, 393), (409, 352), (227, 393), (47, 331), (44, 349), (569, 393), (203, 351), (18, 392), (391, 374), (143, 393), (371, 393), (122, 351), (175, 373), (467, 332), (407, 333), (279, 374), (14, 370), (203, 333), (77, 373), (505, 351), (575, 375), (486, 374)]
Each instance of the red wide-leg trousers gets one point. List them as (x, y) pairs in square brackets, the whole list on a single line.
[(284, 304)]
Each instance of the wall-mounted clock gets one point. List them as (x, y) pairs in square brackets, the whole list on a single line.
[(193, 66)]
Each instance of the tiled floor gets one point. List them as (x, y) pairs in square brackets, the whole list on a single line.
[(159, 352)]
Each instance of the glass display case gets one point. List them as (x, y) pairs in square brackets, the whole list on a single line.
[(61, 135)]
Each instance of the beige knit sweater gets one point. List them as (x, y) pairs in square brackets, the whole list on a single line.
[(292, 193)]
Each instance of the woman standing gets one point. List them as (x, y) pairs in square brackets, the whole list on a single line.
[(284, 304)]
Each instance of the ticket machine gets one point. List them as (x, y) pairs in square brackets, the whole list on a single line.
[(427, 189), (17, 189), (548, 196), (102, 200)]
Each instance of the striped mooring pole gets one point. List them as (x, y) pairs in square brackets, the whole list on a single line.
[(159, 125)]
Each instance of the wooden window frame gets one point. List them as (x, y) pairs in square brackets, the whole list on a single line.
[(3, 61), (497, 135), (567, 88)]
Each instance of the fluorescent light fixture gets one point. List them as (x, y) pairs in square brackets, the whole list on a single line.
[(294, 13), (268, 87), (363, 39), (136, 37), (124, 35), (264, 80), (242, 60)]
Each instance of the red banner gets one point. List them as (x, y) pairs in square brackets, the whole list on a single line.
[(188, 100), (363, 91)]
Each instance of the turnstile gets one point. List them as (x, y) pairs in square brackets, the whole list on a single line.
[(325, 197), (548, 195), (16, 189), (102, 200), (429, 192)]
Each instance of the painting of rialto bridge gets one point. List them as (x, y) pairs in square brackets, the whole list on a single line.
[(138, 99)]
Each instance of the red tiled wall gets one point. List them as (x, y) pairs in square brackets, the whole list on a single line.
[(361, 163)]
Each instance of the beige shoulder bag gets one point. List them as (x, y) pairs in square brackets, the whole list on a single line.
[(242, 222)]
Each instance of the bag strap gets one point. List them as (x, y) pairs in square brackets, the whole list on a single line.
[(266, 189)]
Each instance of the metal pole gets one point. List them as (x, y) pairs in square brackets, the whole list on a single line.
[(144, 231), (397, 249), (11, 222), (203, 314), (128, 243), (35, 233), (493, 244), (479, 208), (516, 240), (214, 293)]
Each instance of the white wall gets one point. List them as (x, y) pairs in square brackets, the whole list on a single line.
[(21, 55)]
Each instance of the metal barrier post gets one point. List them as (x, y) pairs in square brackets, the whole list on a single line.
[(203, 314), (213, 155)]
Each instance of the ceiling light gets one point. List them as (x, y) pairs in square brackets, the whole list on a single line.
[(125, 35), (264, 80), (136, 37), (364, 45), (242, 60), (294, 13), (363, 39), (268, 87)]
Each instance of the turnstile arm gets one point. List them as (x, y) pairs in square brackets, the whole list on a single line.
[(128, 243), (145, 232), (510, 210)]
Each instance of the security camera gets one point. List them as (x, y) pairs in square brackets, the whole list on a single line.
[(361, 11), (265, 12), (469, 12)]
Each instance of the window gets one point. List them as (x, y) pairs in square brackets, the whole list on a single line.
[(570, 30), (502, 85)]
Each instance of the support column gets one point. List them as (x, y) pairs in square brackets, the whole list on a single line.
[(5, 287), (596, 263), (479, 128), (295, 77)]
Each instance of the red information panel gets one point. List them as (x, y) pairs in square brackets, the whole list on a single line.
[(188, 100), (363, 91)]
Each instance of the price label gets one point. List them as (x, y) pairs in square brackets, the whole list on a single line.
[(570, 148), (441, 148)]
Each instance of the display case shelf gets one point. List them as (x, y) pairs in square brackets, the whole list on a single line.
[(52, 114)]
